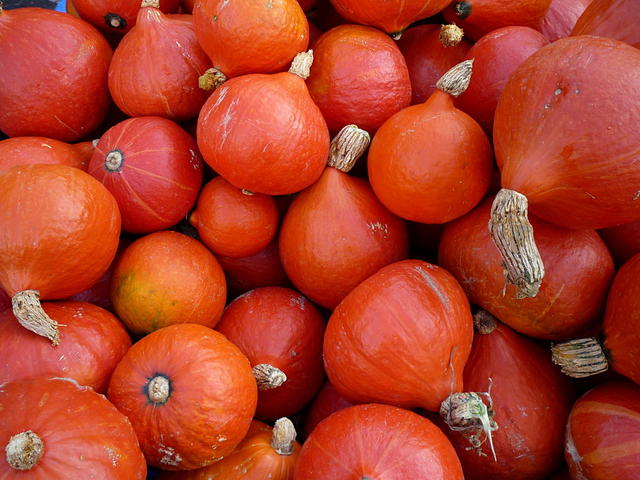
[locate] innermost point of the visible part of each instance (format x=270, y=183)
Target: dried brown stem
x=450, y=35
x=484, y=322
x=301, y=64
x=150, y=3
x=456, y=80
x=211, y=79
x=283, y=436
x=29, y=312
x=580, y=358
x=159, y=390
x=268, y=376
x=24, y=450
x=347, y=147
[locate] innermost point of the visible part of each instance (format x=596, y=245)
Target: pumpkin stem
x=466, y=412
x=396, y=35
x=29, y=312
x=113, y=161
x=513, y=235
x=24, y=450
x=211, y=79
x=246, y=192
x=283, y=436
x=450, y=35
x=301, y=64
x=580, y=358
x=150, y=3
x=268, y=376
x=462, y=9
x=158, y=390
x=115, y=21
x=347, y=147
x=484, y=322
x=456, y=80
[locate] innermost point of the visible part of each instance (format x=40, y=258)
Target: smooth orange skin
x=358, y=76
x=531, y=400
x=30, y=150
x=245, y=36
x=574, y=155
x=84, y=435
x=390, y=16
x=368, y=355
x=54, y=76
x=92, y=342
x=377, y=441
x=612, y=19
x=280, y=327
x=427, y=59
x=561, y=18
x=603, y=433
x=326, y=402
x=166, y=278
x=335, y=235
x=212, y=396
x=623, y=241
x=95, y=11
x=160, y=176
x=59, y=230
x=232, y=223
x=430, y=163
x=578, y=272
x=488, y=15
x=263, y=133
x=156, y=66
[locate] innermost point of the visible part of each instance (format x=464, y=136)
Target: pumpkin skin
x=358, y=76
x=92, y=342
x=279, y=327
x=29, y=150
x=603, y=433
x=610, y=18
x=553, y=129
x=5, y=301
x=377, y=441
x=165, y=278
x=365, y=334
x=211, y=396
x=245, y=36
x=623, y=241
x=283, y=152
x=61, y=237
x=579, y=271
x=116, y=17
x=67, y=48
x=428, y=59
x=156, y=66
x=561, y=17
x=496, y=56
x=84, y=435
x=232, y=223
x=326, y=402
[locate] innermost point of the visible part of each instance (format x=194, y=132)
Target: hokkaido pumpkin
x=561, y=17
x=377, y=441
x=28, y=150
x=55, y=428
x=281, y=333
x=189, y=393
x=59, y=230
x=152, y=168
x=326, y=402
x=116, y=17
x=368, y=329
x=92, y=342
x=165, y=278
x=612, y=19
x=623, y=241
x=54, y=76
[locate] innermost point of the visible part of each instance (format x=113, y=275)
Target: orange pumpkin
x=28, y=150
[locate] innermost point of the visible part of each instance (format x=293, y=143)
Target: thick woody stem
x=24, y=450
x=513, y=235
x=211, y=79
x=484, y=322
x=456, y=80
x=347, y=147
x=283, y=436
x=268, y=376
x=450, y=35
x=29, y=312
x=301, y=64
x=158, y=390
x=150, y=3
x=580, y=358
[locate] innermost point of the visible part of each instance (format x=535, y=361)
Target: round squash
x=326, y=402
x=28, y=150
x=561, y=18
x=116, y=17
x=612, y=19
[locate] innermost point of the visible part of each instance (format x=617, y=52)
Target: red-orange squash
x=367, y=332
x=603, y=433
x=116, y=17
x=561, y=18
x=153, y=169
x=278, y=327
x=55, y=428
x=54, y=75
x=623, y=241
x=92, y=342
x=612, y=19
x=28, y=150
x=189, y=393
x=166, y=278
x=377, y=441
x=326, y=402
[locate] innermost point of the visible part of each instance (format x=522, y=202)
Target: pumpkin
x=561, y=18
x=156, y=67
x=572, y=297
x=5, y=301
x=432, y=163
x=496, y=56
x=358, y=76
x=245, y=36
x=165, y=278
x=526, y=391
x=610, y=18
x=377, y=441
x=189, y=393
x=28, y=150
x=368, y=329
x=153, y=169
x=59, y=429
x=263, y=453
x=307, y=4
x=116, y=17
x=281, y=333
x=54, y=76
x=428, y=58
x=234, y=223
x=603, y=433
x=623, y=241
x=59, y=230
x=256, y=147
x=326, y=402
x=92, y=342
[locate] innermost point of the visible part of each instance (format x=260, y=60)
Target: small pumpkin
x=28, y=150
x=326, y=402
x=623, y=241
x=116, y=17
x=610, y=18
x=561, y=18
